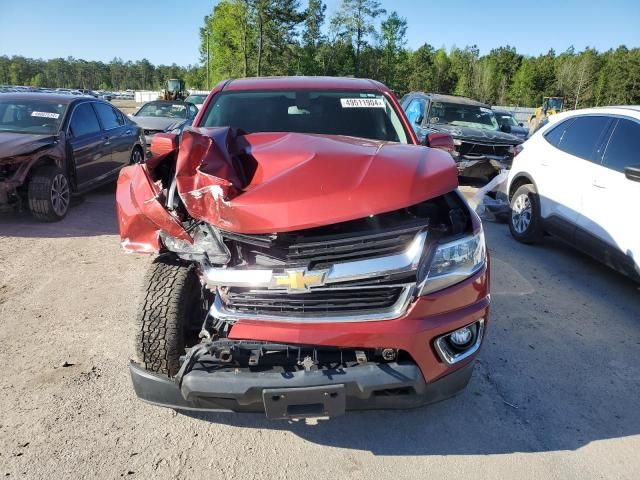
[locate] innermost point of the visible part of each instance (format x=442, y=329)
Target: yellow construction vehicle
x=550, y=106
x=174, y=90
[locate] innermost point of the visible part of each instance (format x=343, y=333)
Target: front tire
x=169, y=314
x=525, y=223
x=136, y=156
x=49, y=193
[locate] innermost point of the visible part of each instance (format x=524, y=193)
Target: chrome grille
x=319, y=302
x=321, y=253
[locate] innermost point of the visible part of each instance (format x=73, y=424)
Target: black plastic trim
x=368, y=386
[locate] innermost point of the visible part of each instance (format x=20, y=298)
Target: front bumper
x=481, y=166
x=313, y=393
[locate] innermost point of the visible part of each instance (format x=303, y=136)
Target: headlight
x=454, y=262
x=457, y=142
x=205, y=241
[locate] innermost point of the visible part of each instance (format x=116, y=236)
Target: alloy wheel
x=521, y=213
x=60, y=194
x=136, y=156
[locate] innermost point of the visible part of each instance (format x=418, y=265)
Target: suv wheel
x=525, y=223
x=49, y=193
x=170, y=315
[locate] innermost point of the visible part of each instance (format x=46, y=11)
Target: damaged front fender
x=141, y=215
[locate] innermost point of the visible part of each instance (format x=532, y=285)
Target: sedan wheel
x=49, y=193
x=136, y=156
x=60, y=194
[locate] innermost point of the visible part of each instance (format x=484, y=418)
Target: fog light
x=389, y=354
x=460, y=344
x=462, y=337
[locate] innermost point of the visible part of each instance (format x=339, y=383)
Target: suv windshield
x=356, y=114
x=506, y=119
x=31, y=116
x=462, y=115
x=172, y=110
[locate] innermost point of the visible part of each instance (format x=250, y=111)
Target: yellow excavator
x=550, y=106
x=174, y=90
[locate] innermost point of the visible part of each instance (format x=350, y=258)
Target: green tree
x=312, y=37
x=354, y=22
x=393, y=39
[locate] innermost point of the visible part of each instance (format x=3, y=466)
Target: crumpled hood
x=158, y=123
x=293, y=181
x=19, y=144
x=477, y=134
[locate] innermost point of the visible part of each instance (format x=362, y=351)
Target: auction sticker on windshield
x=45, y=114
x=362, y=103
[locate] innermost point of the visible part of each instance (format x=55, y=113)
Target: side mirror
x=442, y=141
x=419, y=119
x=521, y=124
x=632, y=172
x=162, y=143
x=506, y=128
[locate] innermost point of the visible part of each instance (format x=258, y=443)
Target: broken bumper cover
x=482, y=165
x=300, y=394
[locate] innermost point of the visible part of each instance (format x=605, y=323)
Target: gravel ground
x=554, y=395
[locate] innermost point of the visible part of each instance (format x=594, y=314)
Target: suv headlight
x=455, y=261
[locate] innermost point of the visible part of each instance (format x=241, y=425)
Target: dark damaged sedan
x=481, y=148
x=54, y=146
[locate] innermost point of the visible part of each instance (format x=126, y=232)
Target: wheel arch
x=42, y=161
x=522, y=178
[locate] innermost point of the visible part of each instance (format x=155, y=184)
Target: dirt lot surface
x=555, y=393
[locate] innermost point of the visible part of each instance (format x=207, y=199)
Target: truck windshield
x=31, y=116
x=356, y=114
x=462, y=115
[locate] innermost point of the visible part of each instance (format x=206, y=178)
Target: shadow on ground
x=91, y=214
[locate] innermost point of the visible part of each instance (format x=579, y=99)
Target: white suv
x=578, y=178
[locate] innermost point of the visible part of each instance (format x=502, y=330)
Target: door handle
x=127, y=132
x=107, y=141
x=598, y=185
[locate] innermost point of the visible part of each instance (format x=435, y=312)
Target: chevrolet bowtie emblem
x=299, y=280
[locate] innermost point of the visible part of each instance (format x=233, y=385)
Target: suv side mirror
x=506, y=128
x=419, y=119
x=442, y=141
x=632, y=172
x=521, y=124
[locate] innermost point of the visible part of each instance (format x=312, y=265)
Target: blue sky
x=167, y=31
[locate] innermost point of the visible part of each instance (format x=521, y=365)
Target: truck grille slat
x=267, y=302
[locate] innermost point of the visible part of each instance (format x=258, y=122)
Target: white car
x=578, y=178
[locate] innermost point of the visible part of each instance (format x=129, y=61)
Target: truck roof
x=305, y=83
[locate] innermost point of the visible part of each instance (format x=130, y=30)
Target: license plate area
x=322, y=401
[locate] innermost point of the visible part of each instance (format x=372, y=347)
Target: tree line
x=278, y=37
x=77, y=73
x=242, y=38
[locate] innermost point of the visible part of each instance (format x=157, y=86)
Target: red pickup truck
x=311, y=256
